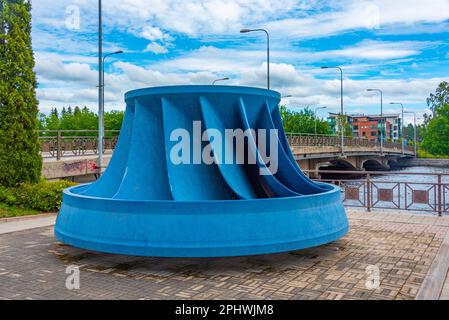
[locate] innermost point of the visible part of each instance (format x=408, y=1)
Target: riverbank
x=422, y=162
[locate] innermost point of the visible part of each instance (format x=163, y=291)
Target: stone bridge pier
x=324, y=153
x=349, y=163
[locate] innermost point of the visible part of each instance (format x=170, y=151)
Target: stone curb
x=434, y=281
x=30, y=217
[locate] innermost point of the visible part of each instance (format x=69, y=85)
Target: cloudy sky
x=399, y=46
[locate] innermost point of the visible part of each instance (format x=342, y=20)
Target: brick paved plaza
x=402, y=246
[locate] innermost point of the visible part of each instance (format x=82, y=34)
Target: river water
x=402, y=175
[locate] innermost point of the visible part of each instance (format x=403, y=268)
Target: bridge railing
x=69, y=143
x=410, y=191
x=312, y=140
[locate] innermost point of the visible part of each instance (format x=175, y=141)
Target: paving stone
x=33, y=265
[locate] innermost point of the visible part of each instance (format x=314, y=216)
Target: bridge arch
x=321, y=164
x=343, y=164
x=374, y=165
x=393, y=163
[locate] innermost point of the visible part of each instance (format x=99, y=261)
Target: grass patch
x=7, y=211
x=428, y=155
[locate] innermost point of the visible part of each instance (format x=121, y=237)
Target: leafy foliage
x=436, y=137
x=348, y=128
x=425, y=154
x=20, y=160
x=303, y=122
x=440, y=98
x=79, y=119
x=41, y=196
x=409, y=133
x=7, y=211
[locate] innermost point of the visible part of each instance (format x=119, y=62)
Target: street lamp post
x=402, y=123
x=101, y=60
x=268, y=51
x=100, y=88
x=221, y=79
x=341, y=107
x=381, y=119
x=316, y=118
x=415, y=137
x=101, y=111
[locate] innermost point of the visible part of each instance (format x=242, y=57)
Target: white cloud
x=153, y=34
x=156, y=48
x=354, y=15
x=198, y=17
x=375, y=50
x=55, y=70
x=69, y=76
x=68, y=83
x=159, y=20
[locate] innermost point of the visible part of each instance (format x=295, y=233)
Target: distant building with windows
x=369, y=126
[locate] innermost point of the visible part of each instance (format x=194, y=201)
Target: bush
x=427, y=155
x=43, y=196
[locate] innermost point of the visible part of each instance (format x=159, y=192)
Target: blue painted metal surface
x=144, y=204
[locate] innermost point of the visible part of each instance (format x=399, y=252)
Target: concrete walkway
x=436, y=283
x=408, y=250
x=8, y=225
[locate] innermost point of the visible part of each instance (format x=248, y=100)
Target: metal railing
x=68, y=143
x=428, y=192
x=309, y=140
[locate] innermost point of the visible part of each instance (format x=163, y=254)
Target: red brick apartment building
x=368, y=126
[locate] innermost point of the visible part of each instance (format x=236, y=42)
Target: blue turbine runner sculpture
x=150, y=203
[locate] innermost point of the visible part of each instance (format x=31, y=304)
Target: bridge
x=315, y=152
x=74, y=153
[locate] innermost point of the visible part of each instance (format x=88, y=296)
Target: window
x=373, y=133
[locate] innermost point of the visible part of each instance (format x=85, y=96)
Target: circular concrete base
x=200, y=228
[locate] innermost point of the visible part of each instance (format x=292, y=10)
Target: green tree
x=113, y=121
x=409, y=133
x=54, y=112
x=440, y=98
x=80, y=119
x=20, y=160
x=436, y=136
x=303, y=121
x=41, y=121
x=348, y=128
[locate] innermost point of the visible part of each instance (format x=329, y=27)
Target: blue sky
x=399, y=46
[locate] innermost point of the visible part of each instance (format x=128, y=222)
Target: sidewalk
x=8, y=225
x=408, y=250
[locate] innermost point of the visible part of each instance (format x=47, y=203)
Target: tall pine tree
x=20, y=160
